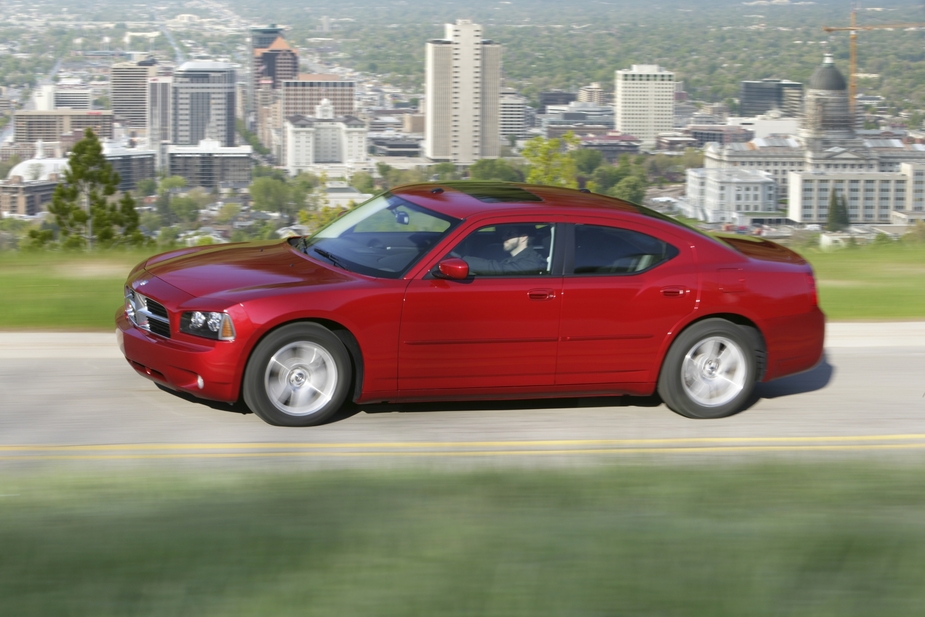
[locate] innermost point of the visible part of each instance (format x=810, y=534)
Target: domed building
x=882, y=179
x=31, y=184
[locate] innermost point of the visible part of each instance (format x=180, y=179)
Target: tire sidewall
x=670, y=383
x=255, y=395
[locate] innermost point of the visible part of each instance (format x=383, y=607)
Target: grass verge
x=55, y=291
x=769, y=539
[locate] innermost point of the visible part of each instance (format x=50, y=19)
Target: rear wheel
x=709, y=371
x=298, y=375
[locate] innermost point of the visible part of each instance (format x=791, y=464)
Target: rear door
x=624, y=291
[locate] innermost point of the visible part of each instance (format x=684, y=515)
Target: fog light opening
x=200, y=382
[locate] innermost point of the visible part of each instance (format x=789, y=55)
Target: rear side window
x=612, y=250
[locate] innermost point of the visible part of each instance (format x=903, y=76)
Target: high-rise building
x=758, y=97
x=555, y=97
x=129, y=91
x=644, y=102
x=301, y=96
x=593, y=93
x=277, y=62
x=261, y=38
x=513, y=109
x=48, y=126
x=158, y=109
x=203, y=103
x=462, y=93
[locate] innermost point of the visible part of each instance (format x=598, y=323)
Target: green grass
x=82, y=292
x=60, y=291
x=875, y=282
x=773, y=539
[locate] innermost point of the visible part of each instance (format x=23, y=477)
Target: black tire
x=299, y=375
x=709, y=371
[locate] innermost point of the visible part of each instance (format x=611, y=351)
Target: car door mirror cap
x=452, y=268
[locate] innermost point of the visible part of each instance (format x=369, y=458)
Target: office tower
x=203, y=103
x=555, y=97
x=32, y=126
x=591, y=94
x=462, y=92
x=275, y=63
x=261, y=38
x=758, y=97
x=644, y=102
x=129, y=91
x=158, y=108
x=513, y=109
x=301, y=96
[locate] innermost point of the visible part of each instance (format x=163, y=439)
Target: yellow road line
x=456, y=444
x=472, y=453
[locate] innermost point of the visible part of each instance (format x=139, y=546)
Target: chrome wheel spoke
x=714, y=371
x=301, y=378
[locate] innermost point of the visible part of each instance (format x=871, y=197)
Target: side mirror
x=452, y=268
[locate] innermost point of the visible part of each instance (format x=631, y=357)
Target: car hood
x=239, y=267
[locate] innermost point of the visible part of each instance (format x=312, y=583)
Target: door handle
x=673, y=291
x=541, y=294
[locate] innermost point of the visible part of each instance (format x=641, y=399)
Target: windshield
x=383, y=237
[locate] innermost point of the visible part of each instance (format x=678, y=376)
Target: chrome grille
x=146, y=313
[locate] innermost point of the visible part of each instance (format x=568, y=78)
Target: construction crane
x=853, y=49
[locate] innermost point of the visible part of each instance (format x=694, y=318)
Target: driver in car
x=523, y=258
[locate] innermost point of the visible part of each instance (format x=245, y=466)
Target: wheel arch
x=341, y=332
x=752, y=330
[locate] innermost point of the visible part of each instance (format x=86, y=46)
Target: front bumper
x=208, y=370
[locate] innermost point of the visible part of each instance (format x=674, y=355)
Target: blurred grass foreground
x=771, y=539
x=77, y=291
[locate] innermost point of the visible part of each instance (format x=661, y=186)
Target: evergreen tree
x=844, y=217
x=830, y=221
x=81, y=204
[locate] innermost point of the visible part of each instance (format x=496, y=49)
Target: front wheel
x=709, y=371
x=298, y=375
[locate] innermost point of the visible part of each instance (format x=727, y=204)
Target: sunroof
x=491, y=192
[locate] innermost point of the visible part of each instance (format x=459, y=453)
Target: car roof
x=463, y=199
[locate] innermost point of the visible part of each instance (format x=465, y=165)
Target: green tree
x=549, y=163
x=587, y=160
x=363, y=182
x=81, y=204
x=146, y=186
x=494, y=169
x=270, y=194
x=444, y=172
x=185, y=209
x=630, y=189
x=172, y=182
x=837, y=218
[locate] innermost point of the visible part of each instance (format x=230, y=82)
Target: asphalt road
x=70, y=399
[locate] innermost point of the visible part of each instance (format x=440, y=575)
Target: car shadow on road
x=814, y=379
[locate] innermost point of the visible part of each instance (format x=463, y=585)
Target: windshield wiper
x=332, y=258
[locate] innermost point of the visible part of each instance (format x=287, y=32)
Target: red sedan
x=469, y=290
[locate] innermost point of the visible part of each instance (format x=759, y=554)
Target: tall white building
x=129, y=91
x=513, y=109
x=462, y=92
x=644, y=102
x=325, y=142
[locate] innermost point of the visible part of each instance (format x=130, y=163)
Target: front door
x=496, y=329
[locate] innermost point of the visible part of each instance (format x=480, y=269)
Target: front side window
x=508, y=250
x=612, y=250
x=383, y=237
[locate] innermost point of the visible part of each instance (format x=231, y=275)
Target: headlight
x=207, y=324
